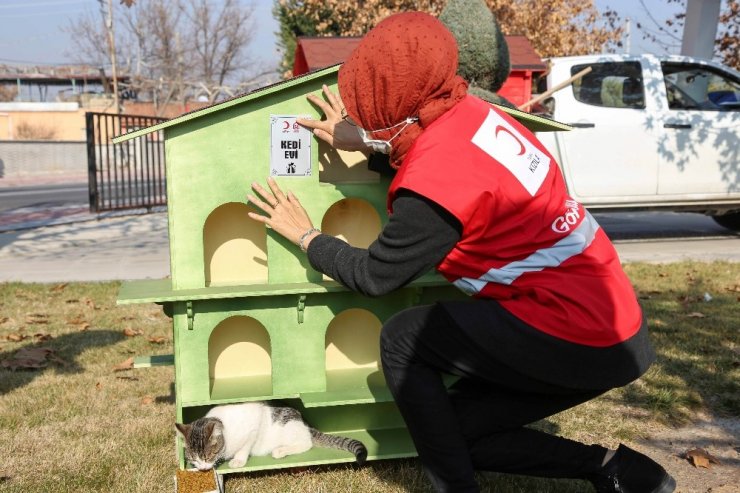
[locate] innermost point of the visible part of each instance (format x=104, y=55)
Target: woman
x=553, y=320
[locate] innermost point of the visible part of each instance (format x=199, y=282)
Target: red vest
x=524, y=241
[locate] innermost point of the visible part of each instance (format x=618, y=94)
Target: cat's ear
x=214, y=429
x=182, y=430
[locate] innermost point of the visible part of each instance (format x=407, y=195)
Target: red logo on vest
x=521, y=146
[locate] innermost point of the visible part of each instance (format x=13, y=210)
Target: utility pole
x=112, y=48
x=628, y=36
x=700, y=28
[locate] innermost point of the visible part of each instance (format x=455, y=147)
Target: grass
x=78, y=425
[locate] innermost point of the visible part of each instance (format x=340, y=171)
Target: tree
x=8, y=93
x=175, y=50
x=727, y=46
x=555, y=27
x=336, y=18
x=483, y=52
x=560, y=27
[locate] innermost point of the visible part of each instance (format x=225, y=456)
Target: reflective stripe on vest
x=574, y=244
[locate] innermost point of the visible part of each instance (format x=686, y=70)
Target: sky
x=31, y=30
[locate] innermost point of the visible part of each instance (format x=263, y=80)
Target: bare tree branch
x=175, y=50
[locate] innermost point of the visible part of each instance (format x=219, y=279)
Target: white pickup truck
x=650, y=133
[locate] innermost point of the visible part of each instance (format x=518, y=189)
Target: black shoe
x=629, y=471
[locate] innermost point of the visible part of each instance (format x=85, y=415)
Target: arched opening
x=352, y=340
x=353, y=369
x=337, y=166
x=353, y=220
x=239, y=359
x=234, y=247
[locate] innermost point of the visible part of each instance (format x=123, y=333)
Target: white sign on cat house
x=290, y=151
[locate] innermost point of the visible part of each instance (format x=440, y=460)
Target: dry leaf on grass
x=98, y=386
x=28, y=358
x=21, y=295
x=81, y=323
x=3, y=320
x=701, y=458
x=157, y=340
x=37, y=318
x=15, y=337
x=147, y=399
x=695, y=315
x=129, y=332
x=126, y=365
x=59, y=287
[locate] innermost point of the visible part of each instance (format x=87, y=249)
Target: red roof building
x=313, y=53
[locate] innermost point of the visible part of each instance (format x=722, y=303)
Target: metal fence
x=130, y=175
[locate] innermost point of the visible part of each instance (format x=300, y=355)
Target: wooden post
x=547, y=93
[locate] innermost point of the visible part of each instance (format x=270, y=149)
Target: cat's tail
x=321, y=439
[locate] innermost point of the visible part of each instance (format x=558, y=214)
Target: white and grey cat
x=235, y=431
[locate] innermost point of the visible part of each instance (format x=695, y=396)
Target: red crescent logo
x=286, y=125
x=500, y=128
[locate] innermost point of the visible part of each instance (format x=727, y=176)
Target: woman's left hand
x=285, y=214
x=334, y=129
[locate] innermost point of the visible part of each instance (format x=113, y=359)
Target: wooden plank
x=392, y=443
x=154, y=360
x=160, y=290
x=351, y=386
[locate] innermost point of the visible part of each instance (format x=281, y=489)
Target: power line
x=8, y=60
x=40, y=14
x=44, y=4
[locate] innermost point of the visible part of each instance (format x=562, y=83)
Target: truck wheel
x=729, y=221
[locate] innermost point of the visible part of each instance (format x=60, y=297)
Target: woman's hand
x=285, y=214
x=335, y=130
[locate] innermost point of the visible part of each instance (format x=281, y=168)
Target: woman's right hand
x=334, y=129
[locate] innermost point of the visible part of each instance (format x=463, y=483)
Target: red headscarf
x=404, y=67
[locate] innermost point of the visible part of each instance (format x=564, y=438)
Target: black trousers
x=479, y=424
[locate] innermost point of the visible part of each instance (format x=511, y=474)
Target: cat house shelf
x=394, y=443
x=160, y=290
x=350, y=386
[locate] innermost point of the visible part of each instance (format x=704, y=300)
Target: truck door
x=701, y=118
x=611, y=154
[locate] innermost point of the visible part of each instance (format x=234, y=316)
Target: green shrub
x=484, y=55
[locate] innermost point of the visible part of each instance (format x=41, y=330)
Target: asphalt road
x=67, y=243
x=619, y=226
x=43, y=196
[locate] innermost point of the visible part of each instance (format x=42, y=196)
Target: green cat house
x=251, y=319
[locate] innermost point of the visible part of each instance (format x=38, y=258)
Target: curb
x=41, y=180
x=37, y=217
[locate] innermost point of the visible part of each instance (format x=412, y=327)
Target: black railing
x=129, y=175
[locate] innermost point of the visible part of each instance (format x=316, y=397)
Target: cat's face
x=204, y=442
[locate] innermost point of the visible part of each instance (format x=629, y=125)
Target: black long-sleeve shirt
x=418, y=235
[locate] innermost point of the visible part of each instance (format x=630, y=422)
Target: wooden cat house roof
x=533, y=122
